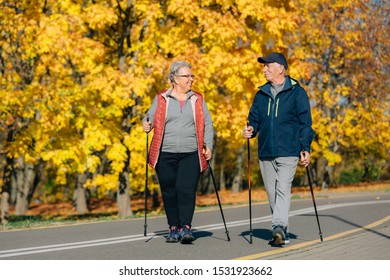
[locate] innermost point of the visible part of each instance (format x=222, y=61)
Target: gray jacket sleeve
x=209, y=129
x=152, y=110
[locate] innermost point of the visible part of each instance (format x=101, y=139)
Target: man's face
x=272, y=71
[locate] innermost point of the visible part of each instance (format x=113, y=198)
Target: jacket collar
x=168, y=93
x=288, y=84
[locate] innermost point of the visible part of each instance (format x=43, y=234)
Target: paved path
x=355, y=227
x=371, y=242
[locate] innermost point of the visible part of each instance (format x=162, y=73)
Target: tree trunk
x=331, y=169
x=80, y=198
x=4, y=211
x=207, y=185
x=322, y=173
x=369, y=169
x=155, y=199
x=203, y=184
x=13, y=189
x=25, y=175
x=38, y=181
x=237, y=181
x=20, y=195
x=222, y=180
x=5, y=191
x=331, y=175
x=123, y=196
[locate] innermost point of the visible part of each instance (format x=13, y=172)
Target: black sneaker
x=186, y=236
x=279, y=236
x=173, y=236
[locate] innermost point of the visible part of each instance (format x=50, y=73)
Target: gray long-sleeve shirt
x=179, y=132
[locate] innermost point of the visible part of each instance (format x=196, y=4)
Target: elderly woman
x=181, y=145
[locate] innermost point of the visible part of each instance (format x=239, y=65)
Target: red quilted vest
x=159, y=125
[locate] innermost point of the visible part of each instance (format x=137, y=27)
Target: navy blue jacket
x=283, y=123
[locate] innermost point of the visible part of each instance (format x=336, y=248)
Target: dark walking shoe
x=173, y=236
x=186, y=236
x=279, y=236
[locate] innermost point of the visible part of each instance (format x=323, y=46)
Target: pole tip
x=145, y=231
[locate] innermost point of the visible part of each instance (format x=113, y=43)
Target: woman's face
x=184, y=79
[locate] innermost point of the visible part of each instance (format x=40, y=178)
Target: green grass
x=39, y=221
x=28, y=222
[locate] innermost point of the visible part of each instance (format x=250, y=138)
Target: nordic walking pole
x=219, y=201
x=146, y=179
x=314, y=202
x=249, y=188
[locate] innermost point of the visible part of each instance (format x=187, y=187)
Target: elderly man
x=280, y=113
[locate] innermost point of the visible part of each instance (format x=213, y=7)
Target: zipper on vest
x=277, y=107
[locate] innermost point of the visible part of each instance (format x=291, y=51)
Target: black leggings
x=178, y=175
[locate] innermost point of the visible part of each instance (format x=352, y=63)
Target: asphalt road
x=339, y=214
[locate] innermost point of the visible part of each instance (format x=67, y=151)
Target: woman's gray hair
x=175, y=67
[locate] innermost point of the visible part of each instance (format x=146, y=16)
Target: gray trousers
x=278, y=174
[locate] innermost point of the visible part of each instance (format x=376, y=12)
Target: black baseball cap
x=274, y=57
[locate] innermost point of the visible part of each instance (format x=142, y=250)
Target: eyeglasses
x=186, y=76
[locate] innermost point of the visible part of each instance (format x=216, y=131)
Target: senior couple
x=183, y=141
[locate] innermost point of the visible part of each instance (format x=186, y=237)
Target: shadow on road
x=197, y=234
x=350, y=223
x=264, y=234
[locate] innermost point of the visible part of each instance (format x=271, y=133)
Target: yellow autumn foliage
x=78, y=76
